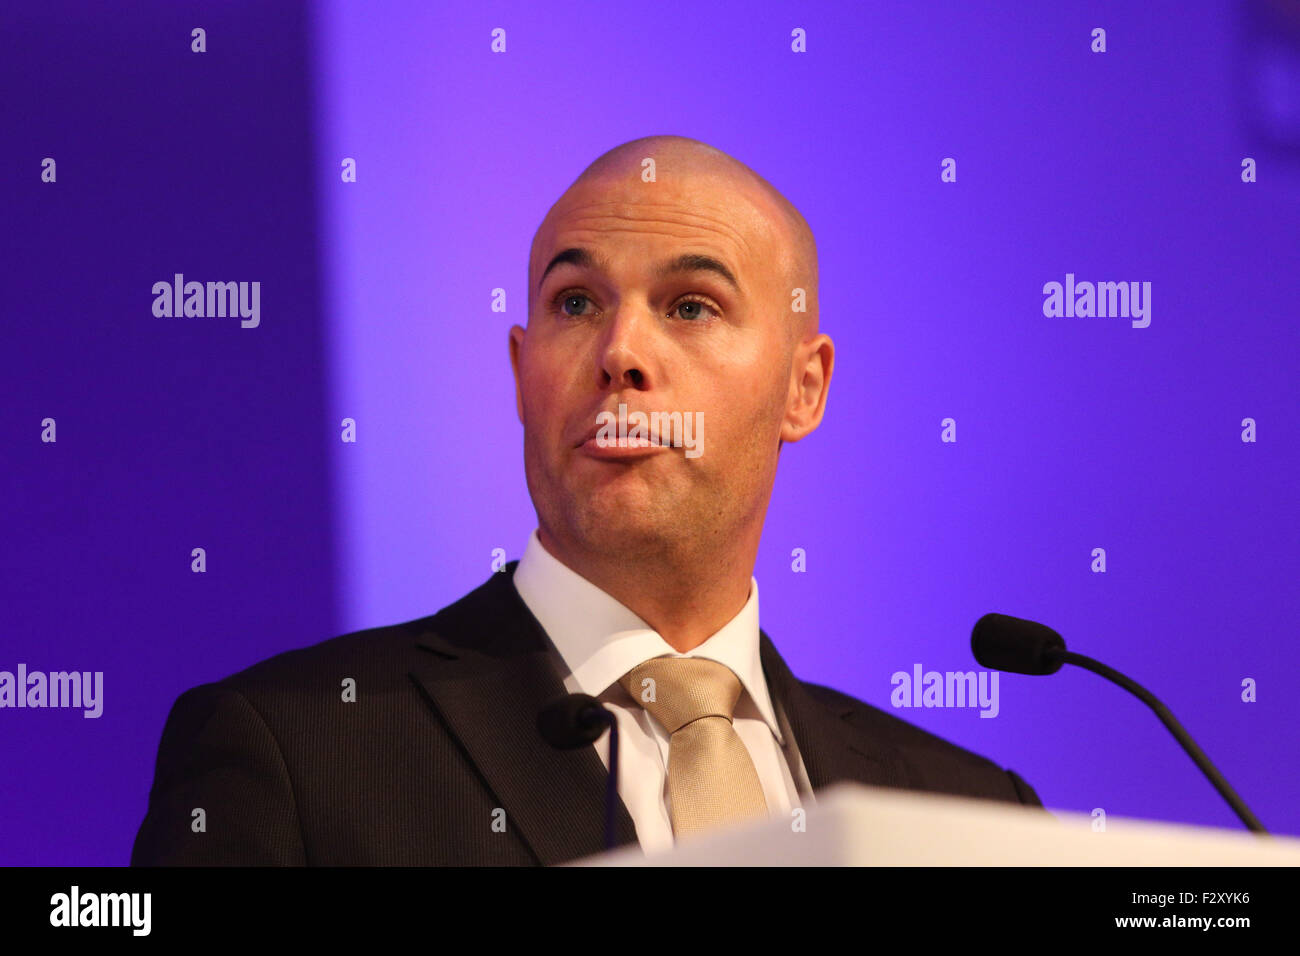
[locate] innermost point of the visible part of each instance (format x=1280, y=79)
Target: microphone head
x=1006, y=643
x=572, y=721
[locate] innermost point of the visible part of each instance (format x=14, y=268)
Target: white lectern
x=853, y=825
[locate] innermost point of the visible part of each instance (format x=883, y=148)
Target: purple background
x=1073, y=433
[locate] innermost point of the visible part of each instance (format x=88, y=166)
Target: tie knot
x=684, y=689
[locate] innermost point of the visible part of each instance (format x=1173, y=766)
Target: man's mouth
x=613, y=439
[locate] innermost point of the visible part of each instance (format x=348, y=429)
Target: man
x=675, y=282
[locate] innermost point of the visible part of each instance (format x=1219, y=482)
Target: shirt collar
x=600, y=639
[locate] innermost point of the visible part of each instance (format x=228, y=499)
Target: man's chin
x=626, y=518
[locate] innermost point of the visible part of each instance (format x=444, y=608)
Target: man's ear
x=516, y=343
x=810, y=379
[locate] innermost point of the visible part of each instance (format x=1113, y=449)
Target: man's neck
x=686, y=600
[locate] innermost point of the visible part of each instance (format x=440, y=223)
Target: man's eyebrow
x=694, y=262
x=687, y=262
x=578, y=257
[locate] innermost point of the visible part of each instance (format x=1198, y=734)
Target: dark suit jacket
x=443, y=732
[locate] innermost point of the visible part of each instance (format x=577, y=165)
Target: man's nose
x=625, y=348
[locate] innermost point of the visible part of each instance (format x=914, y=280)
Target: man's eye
x=571, y=304
x=566, y=298
x=696, y=304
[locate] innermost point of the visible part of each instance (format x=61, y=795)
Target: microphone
x=1006, y=643
x=574, y=721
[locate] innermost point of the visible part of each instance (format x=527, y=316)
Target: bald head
x=767, y=216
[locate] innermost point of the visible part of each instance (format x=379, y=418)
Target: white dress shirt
x=597, y=640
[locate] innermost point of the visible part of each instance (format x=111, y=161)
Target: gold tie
x=711, y=777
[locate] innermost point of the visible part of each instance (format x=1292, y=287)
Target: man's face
x=612, y=328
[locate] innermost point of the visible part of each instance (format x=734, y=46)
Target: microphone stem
x=1167, y=718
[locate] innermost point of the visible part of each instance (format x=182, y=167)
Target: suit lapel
x=488, y=673
x=832, y=749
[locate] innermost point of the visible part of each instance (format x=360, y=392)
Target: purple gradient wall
x=1072, y=433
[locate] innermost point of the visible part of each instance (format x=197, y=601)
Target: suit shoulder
x=931, y=762
x=370, y=652
x=891, y=728
x=380, y=656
